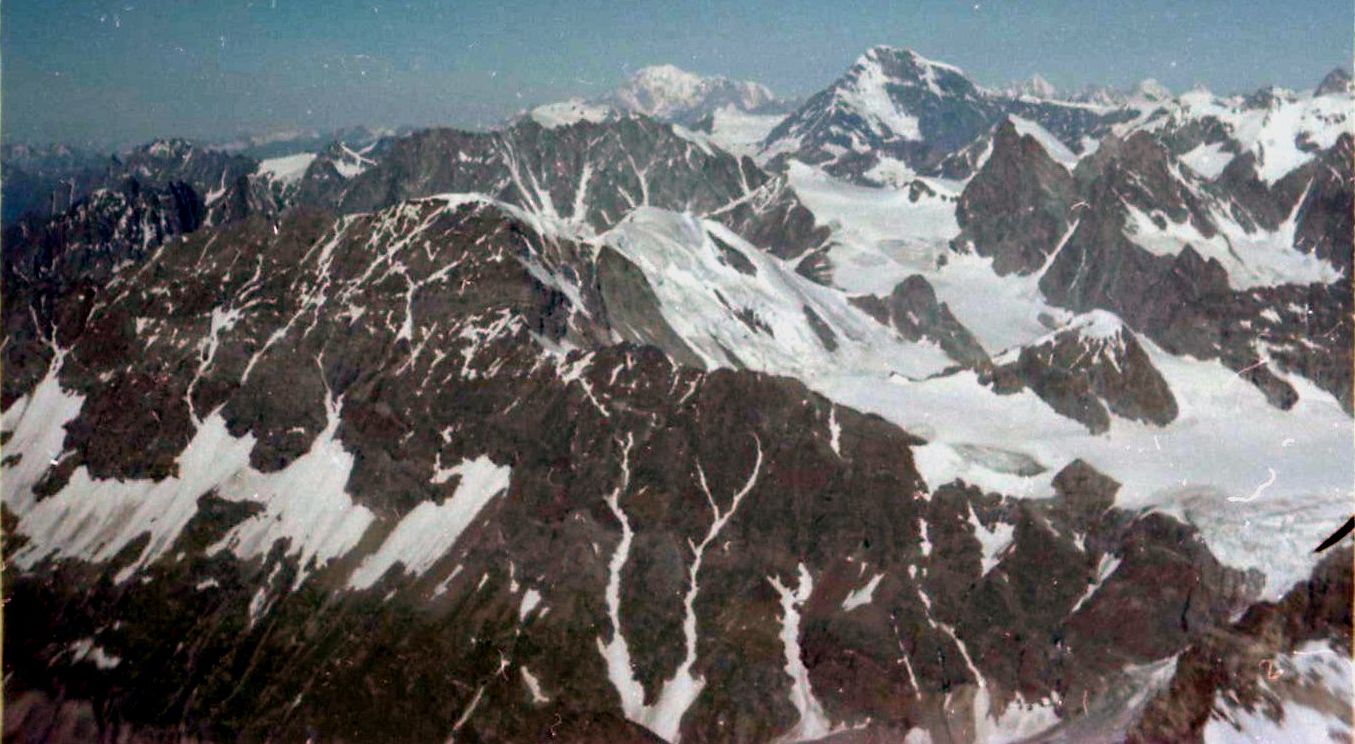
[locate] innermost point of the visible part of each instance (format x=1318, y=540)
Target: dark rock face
x=543, y=169
x=1244, y=663
x=1141, y=172
x=119, y=212
x=913, y=309
x=633, y=310
x=1328, y=201
x=595, y=173
x=42, y=184
x=772, y=218
x=1089, y=371
x=47, y=261
x=1016, y=207
x=1336, y=81
x=326, y=177
x=106, y=229
x=1021, y=209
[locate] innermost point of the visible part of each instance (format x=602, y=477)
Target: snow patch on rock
x=428, y=531
x=288, y=169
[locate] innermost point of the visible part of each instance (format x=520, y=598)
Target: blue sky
x=117, y=72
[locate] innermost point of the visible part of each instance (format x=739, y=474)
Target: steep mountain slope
x=736, y=306
x=1257, y=302
x=1284, y=674
x=1192, y=276
x=1212, y=269
x=594, y=173
x=1016, y=207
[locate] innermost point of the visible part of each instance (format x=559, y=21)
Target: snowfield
x=761, y=320
x=288, y=169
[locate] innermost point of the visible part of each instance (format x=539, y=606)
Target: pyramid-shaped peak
x=1036, y=86
x=1337, y=81
x=885, y=65
x=885, y=53
x=1012, y=129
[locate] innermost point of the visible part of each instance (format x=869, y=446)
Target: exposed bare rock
x=1016, y=208
x=915, y=312
x=1263, y=664
x=1090, y=369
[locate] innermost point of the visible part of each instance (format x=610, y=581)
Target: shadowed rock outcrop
x=1016, y=208
x=1092, y=368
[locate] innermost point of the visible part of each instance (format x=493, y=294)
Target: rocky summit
x=915, y=411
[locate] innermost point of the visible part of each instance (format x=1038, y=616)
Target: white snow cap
x=1097, y=324
x=288, y=169
x=875, y=53
x=667, y=90
x=1035, y=87
x=1151, y=90
x=665, y=83
x=1052, y=145
x=572, y=111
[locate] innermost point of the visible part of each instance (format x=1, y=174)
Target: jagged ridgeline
x=915, y=410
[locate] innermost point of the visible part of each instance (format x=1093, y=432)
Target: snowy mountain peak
x=666, y=74
x=571, y=111
x=897, y=112
x=1035, y=87
x=884, y=52
x=733, y=114
x=1096, y=325
x=1150, y=89
x=170, y=148
x=1091, y=369
x=669, y=92
x=659, y=87
x=887, y=87
x=1041, y=88
x=886, y=64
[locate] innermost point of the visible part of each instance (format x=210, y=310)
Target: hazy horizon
x=109, y=74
